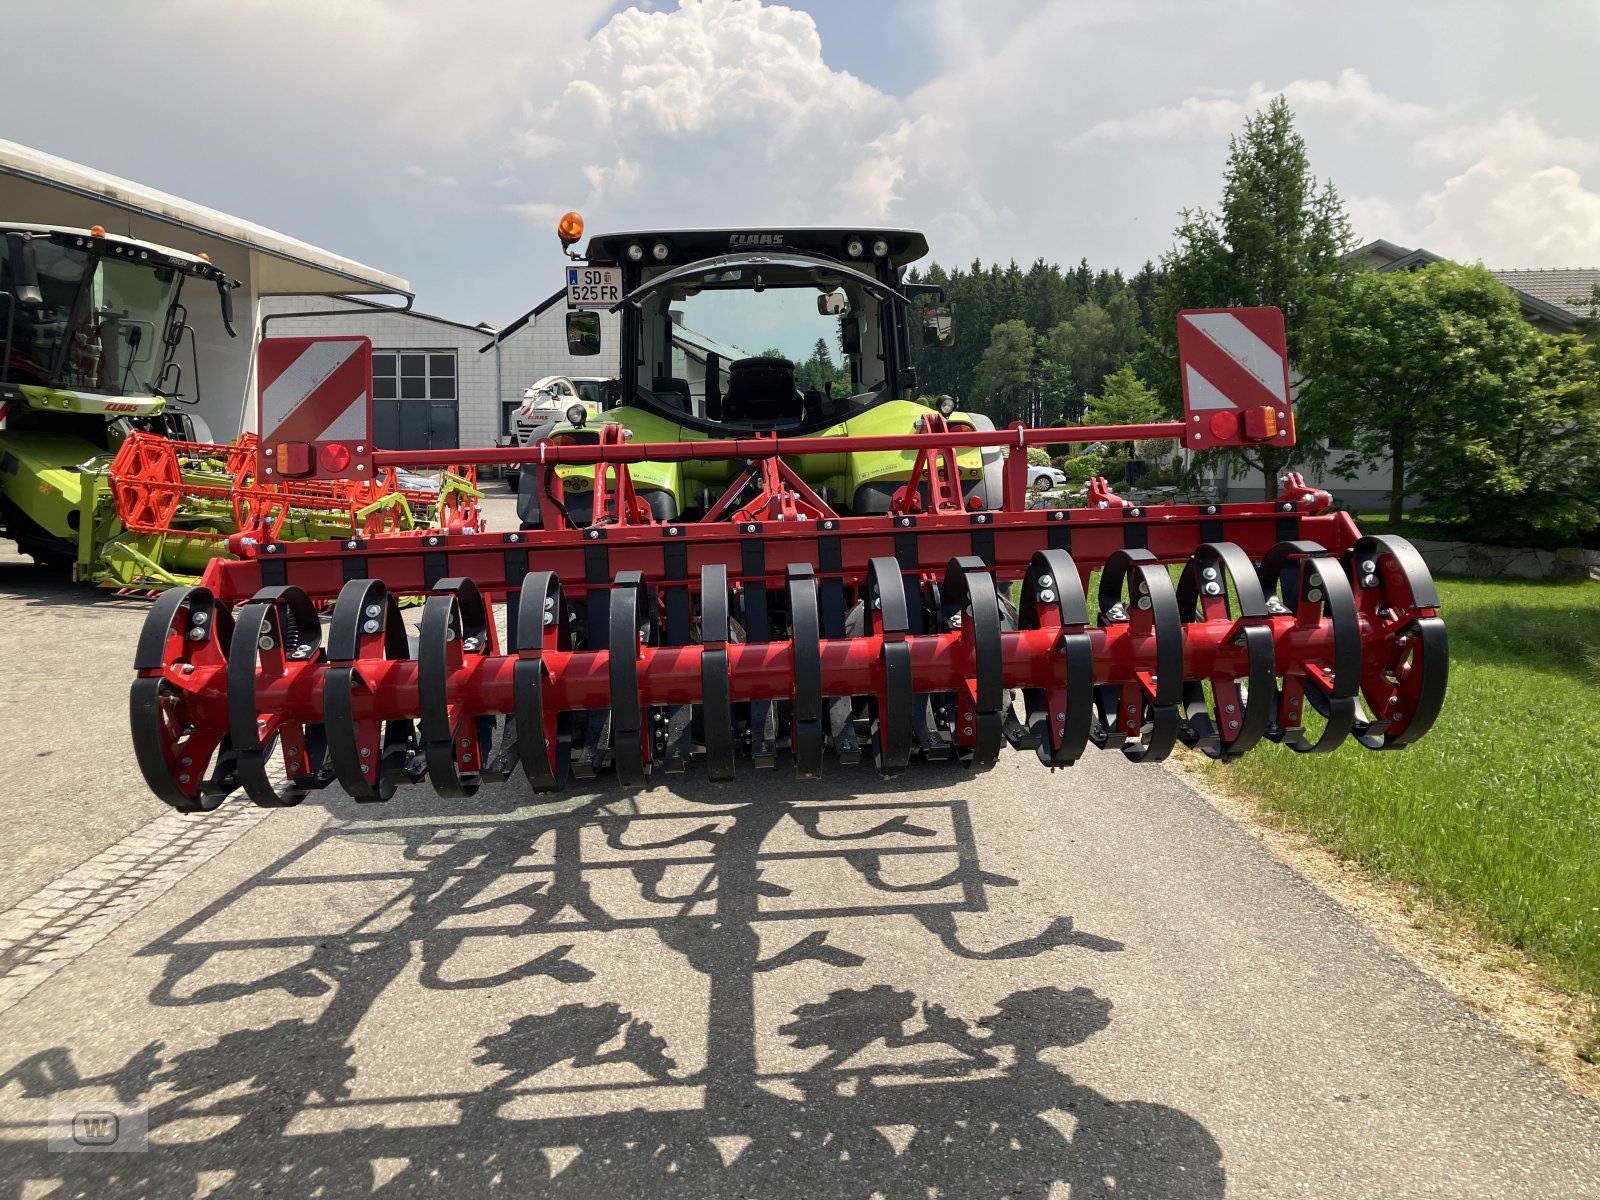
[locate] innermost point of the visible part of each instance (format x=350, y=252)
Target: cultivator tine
x=544, y=737
x=842, y=730
x=763, y=733
x=805, y=636
x=596, y=753
x=276, y=637
x=1313, y=587
x=174, y=738
x=1061, y=716
x=1141, y=716
x=455, y=743
x=716, y=706
x=1236, y=717
x=922, y=607
x=969, y=593
x=885, y=614
x=632, y=624
x=1405, y=689
x=370, y=757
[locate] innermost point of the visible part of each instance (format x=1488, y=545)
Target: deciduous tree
x=1278, y=238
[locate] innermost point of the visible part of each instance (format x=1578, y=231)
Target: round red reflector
x=1225, y=425
x=335, y=457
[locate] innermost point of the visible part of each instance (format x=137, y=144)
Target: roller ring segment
x=1406, y=666
x=1059, y=717
x=981, y=707
x=1314, y=588
x=805, y=640
x=455, y=745
x=1234, y=721
x=632, y=624
x=1152, y=608
x=370, y=758
x=716, y=703
x=173, y=742
x=276, y=635
x=544, y=736
x=886, y=617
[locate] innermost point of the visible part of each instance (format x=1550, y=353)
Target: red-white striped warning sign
x=1234, y=363
x=314, y=410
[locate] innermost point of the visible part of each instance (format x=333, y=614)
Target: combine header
x=732, y=568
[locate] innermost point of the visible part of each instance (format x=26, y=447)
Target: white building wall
x=532, y=351
x=403, y=332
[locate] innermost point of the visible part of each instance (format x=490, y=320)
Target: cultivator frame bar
x=640, y=644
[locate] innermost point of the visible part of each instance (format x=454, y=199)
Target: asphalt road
x=1086, y=983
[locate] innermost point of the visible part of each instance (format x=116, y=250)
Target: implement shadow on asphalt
x=862, y=1088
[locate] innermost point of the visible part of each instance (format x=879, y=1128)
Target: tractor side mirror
x=938, y=324
x=833, y=304
x=225, y=294
x=24, y=265
x=850, y=336
x=583, y=331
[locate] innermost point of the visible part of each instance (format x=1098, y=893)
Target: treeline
x=1034, y=345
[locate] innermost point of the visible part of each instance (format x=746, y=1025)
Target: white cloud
x=417, y=171
x=1518, y=199
x=717, y=110
x=1215, y=114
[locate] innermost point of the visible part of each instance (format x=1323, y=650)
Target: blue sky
x=440, y=142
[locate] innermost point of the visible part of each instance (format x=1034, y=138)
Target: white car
x=1044, y=479
x=548, y=400
x=550, y=397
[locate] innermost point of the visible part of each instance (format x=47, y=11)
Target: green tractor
x=714, y=326
x=91, y=325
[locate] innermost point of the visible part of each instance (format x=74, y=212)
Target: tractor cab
x=729, y=331
x=744, y=332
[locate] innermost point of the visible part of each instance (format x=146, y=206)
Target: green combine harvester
x=91, y=329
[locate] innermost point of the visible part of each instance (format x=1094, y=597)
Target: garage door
x=414, y=400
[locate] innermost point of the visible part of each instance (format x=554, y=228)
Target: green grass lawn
x=1496, y=813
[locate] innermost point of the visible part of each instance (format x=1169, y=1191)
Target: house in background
x=1554, y=301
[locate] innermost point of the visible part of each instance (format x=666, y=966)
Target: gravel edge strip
x=72, y=913
x=1498, y=983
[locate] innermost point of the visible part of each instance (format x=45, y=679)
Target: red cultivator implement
x=772, y=625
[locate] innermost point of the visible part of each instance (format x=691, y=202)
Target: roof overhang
x=33, y=184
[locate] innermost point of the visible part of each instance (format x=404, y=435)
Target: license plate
x=594, y=287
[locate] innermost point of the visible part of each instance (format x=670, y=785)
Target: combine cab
x=100, y=469
x=731, y=568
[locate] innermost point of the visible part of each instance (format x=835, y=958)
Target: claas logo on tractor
x=735, y=571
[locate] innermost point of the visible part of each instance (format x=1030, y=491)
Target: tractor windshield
x=781, y=339
x=776, y=323
x=98, y=327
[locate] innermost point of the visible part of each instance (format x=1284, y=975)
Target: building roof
x=32, y=183
x=1558, y=296
x=532, y=314
x=1571, y=288
x=692, y=341
x=376, y=309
